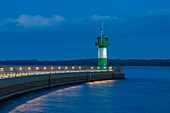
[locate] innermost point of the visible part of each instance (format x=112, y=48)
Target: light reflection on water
x=100, y=82
x=37, y=104
x=145, y=90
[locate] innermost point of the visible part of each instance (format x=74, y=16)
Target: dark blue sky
x=67, y=29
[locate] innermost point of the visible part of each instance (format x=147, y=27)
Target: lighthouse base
x=102, y=63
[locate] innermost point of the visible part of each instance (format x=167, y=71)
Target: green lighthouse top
x=102, y=41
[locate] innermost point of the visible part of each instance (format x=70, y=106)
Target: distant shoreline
x=91, y=62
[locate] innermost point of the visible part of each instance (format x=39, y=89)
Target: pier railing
x=17, y=71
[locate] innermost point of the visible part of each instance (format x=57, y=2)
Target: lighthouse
x=102, y=44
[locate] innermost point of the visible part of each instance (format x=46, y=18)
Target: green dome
x=103, y=36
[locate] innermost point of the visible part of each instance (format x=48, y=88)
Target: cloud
x=97, y=17
x=146, y=24
x=38, y=21
x=30, y=21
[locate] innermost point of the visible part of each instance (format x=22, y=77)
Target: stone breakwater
x=11, y=87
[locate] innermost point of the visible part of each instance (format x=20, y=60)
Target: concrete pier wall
x=11, y=87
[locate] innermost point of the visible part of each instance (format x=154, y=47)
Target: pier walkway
x=18, y=71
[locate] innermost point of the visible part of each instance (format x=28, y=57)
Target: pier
x=20, y=80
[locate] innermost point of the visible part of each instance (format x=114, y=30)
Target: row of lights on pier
x=52, y=68
x=37, y=68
